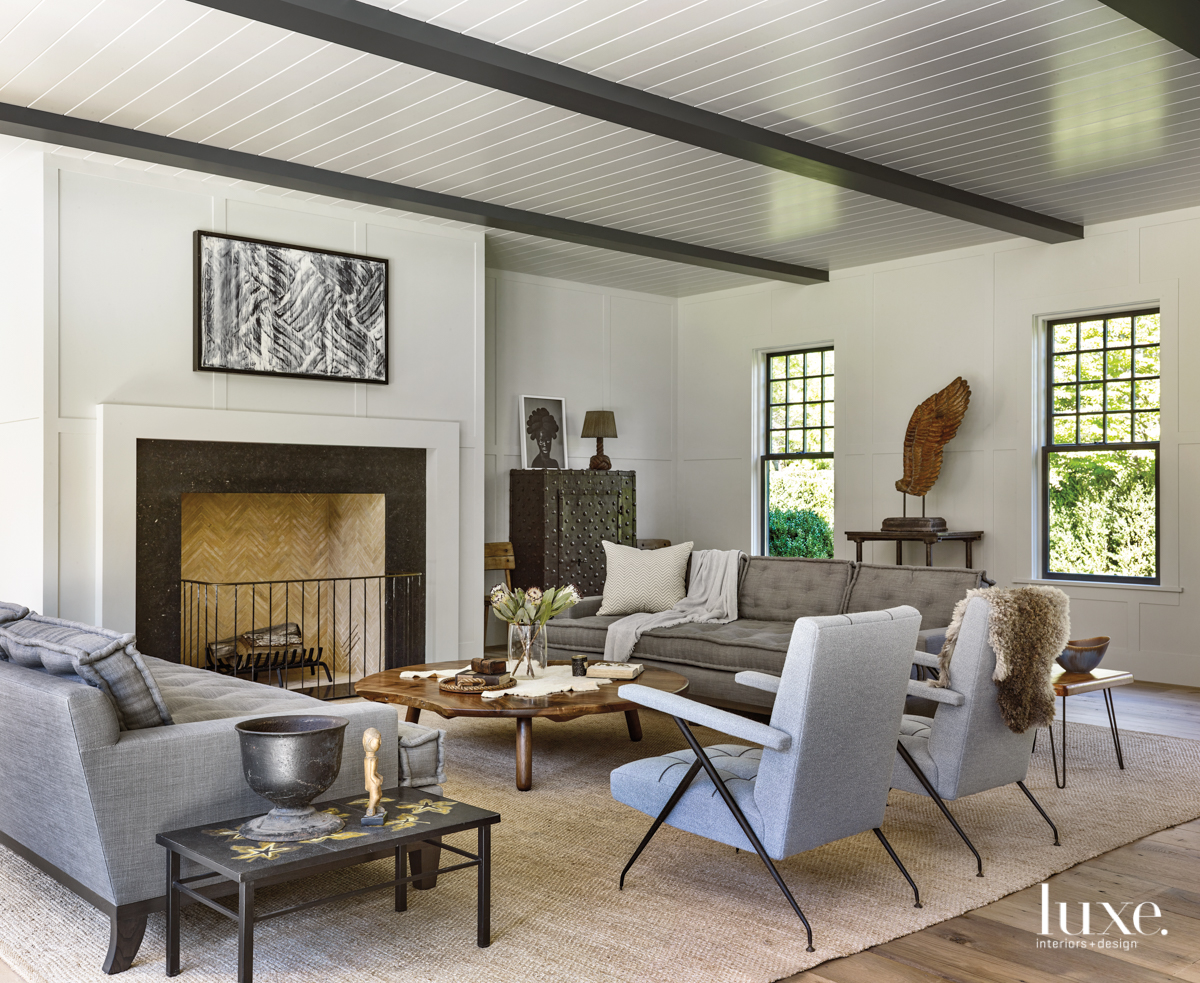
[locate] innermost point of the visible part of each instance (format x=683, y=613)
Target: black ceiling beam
x=35, y=124
x=1176, y=20
x=374, y=30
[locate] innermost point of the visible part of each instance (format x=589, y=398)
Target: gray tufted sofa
x=773, y=593
x=83, y=799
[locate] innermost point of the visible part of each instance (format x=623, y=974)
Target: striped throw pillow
x=101, y=658
x=10, y=612
x=643, y=580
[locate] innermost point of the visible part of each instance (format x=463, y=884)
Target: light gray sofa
x=83, y=800
x=772, y=594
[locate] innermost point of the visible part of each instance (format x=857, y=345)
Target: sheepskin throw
x=1028, y=629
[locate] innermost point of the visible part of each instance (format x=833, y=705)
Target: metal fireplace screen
x=319, y=635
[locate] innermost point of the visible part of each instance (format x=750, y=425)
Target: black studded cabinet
x=557, y=519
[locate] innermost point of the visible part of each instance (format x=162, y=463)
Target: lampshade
x=599, y=423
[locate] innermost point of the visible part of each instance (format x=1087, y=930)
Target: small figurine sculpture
x=375, y=814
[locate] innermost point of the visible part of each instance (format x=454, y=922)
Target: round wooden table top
x=423, y=694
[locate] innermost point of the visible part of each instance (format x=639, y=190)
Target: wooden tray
x=450, y=686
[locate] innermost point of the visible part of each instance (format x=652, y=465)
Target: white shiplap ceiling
x=1061, y=106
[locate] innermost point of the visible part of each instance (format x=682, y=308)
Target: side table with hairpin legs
x=1072, y=684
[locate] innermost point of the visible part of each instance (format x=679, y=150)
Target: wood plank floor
x=998, y=943
x=1153, y=708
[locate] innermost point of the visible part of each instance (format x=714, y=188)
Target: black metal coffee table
x=413, y=817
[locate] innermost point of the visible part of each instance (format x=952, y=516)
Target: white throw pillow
x=643, y=580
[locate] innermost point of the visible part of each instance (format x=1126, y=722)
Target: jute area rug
x=692, y=910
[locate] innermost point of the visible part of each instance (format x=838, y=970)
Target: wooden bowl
x=1084, y=654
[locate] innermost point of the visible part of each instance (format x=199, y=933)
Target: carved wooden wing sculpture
x=933, y=425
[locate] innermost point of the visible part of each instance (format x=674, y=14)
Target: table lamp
x=599, y=424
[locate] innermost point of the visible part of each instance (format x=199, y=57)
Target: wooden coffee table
x=423, y=694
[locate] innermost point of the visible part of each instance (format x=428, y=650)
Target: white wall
x=96, y=263
x=26, y=295
x=120, y=247
x=600, y=350
x=904, y=330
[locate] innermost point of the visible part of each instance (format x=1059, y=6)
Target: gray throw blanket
x=711, y=598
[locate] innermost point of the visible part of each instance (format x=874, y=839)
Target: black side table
x=413, y=817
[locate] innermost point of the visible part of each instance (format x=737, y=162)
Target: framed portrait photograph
x=268, y=308
x=543, y=421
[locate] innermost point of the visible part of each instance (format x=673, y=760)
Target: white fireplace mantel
x=118, y=428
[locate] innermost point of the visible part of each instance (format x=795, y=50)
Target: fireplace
x=297, y=564
x=138, y=559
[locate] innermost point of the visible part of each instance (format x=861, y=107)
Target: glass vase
x=527, y=647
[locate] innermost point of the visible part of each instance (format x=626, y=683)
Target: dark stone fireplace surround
x=169, y=469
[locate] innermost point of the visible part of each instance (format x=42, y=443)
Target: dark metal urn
x=290, y=761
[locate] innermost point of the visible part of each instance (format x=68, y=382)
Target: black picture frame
x=378, y=354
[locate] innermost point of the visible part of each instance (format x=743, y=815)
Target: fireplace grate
x=319, y=635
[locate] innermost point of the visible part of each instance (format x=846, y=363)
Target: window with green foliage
x=797, y=475
x=1100, y=460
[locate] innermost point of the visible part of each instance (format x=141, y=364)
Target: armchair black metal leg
x=666, y=811
x=1054, y=750
x=925, y=783
x=1112, y=723
x=1038, y=806
x=740, y=816
x=896, y=860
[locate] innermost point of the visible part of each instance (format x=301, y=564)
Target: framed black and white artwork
x=272, y=309
x=543, y=422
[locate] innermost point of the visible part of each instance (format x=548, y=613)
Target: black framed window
x=1100, y=455
x=797, y=459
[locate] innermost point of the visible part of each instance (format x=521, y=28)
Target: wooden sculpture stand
x=900, y=538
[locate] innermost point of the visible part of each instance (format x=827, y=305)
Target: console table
x=900, y=538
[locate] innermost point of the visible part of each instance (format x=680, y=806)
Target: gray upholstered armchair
x=825, y=763
x=965, y=747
